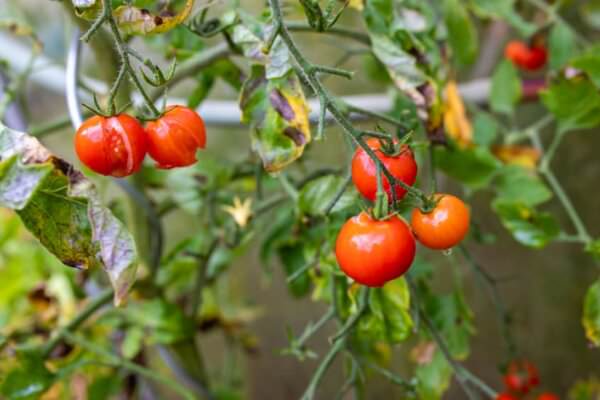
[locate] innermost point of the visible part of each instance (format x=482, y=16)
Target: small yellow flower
x=241, y=212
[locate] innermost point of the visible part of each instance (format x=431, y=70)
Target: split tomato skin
x=374, y=252
x=175, y=137
x=114, y=146
x=525, y=57
x=364, y=170
x=445, y=226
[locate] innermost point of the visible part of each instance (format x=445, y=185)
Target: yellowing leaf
x=457, y=124
x=524, y=156
x=356, y=4
x=277, y=112
x=135, y=20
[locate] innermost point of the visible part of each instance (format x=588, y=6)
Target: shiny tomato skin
x=114, y=146
x=445, y=226
x=548, y=396
x=505, y=396
x=374, y=252
x=521, y=376
x=525, y=57
x=364, y=170
x=175, y=137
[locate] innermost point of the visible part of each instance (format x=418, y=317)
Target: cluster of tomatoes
x=374, y=251
x=528, y=57
x=117, y=145
x=522, y=377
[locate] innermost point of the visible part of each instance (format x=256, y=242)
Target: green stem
x=338, y=346
x=353, y=320
x=117, y=361
x=101, y=300
x=203, y=261
x=348, y=33
x=312, y=329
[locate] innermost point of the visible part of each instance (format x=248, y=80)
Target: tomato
x=548, y=396
x=523, y=56
x=521, y=376
x=445, y=226
x=364, y=170
x=373, y=252
x=175, y=137
x=505, y=396
x=113, y=146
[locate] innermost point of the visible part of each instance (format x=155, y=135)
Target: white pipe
x=50, y=75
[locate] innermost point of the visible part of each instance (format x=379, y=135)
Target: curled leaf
x=134, y=20
x=457, y=124
x=61, y=208
x=591, y=314
x=524, y=156
x=277, y=112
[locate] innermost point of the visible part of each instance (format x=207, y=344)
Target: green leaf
x=105, y=387
x=485, y=129
x=506, y=88
x=590, y=12
x=317, y=194
x=462, y=35
x=516, y=184
x=504, y=9
x=527, y=225
x=277, y=113
x=401, y=65
x=593, y=248
x=590, y=64
x=379, y=15
x=390, y=312
x=29, y=381
x=61, y=208
x=433, y=378
x=474, y=167
x=162, y=322
x=562, y=45
x=293, y=258
x=591, y=314
x=575, y=103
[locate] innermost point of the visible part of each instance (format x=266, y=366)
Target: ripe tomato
x=113, y=146
x=445, y=226
x=521, y=376
x=364, y=170
x=174, y=138
x=505, y=396
x=528, y=58
x=548, y=396
x=373, y=252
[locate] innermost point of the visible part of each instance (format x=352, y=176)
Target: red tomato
x=364, y=170
x=521, y=376
x=174, y=138
x=505, y=396
x=113, y=146
x=525, y=57
x=548, y=396
x=374, y=252
x=445, y=226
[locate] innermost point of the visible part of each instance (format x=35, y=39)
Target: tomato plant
x=298, y=154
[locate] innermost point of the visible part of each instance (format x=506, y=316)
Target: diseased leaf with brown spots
x=61, y=208
x=277, y=113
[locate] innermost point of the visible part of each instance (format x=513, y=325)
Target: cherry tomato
x=113, y=146
x=373, y=252
x=505, y=396
x=521, y=376
x=364, y=170
x=174, y=138
x=525, y=57
x=548, y=396
x=445, y=226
